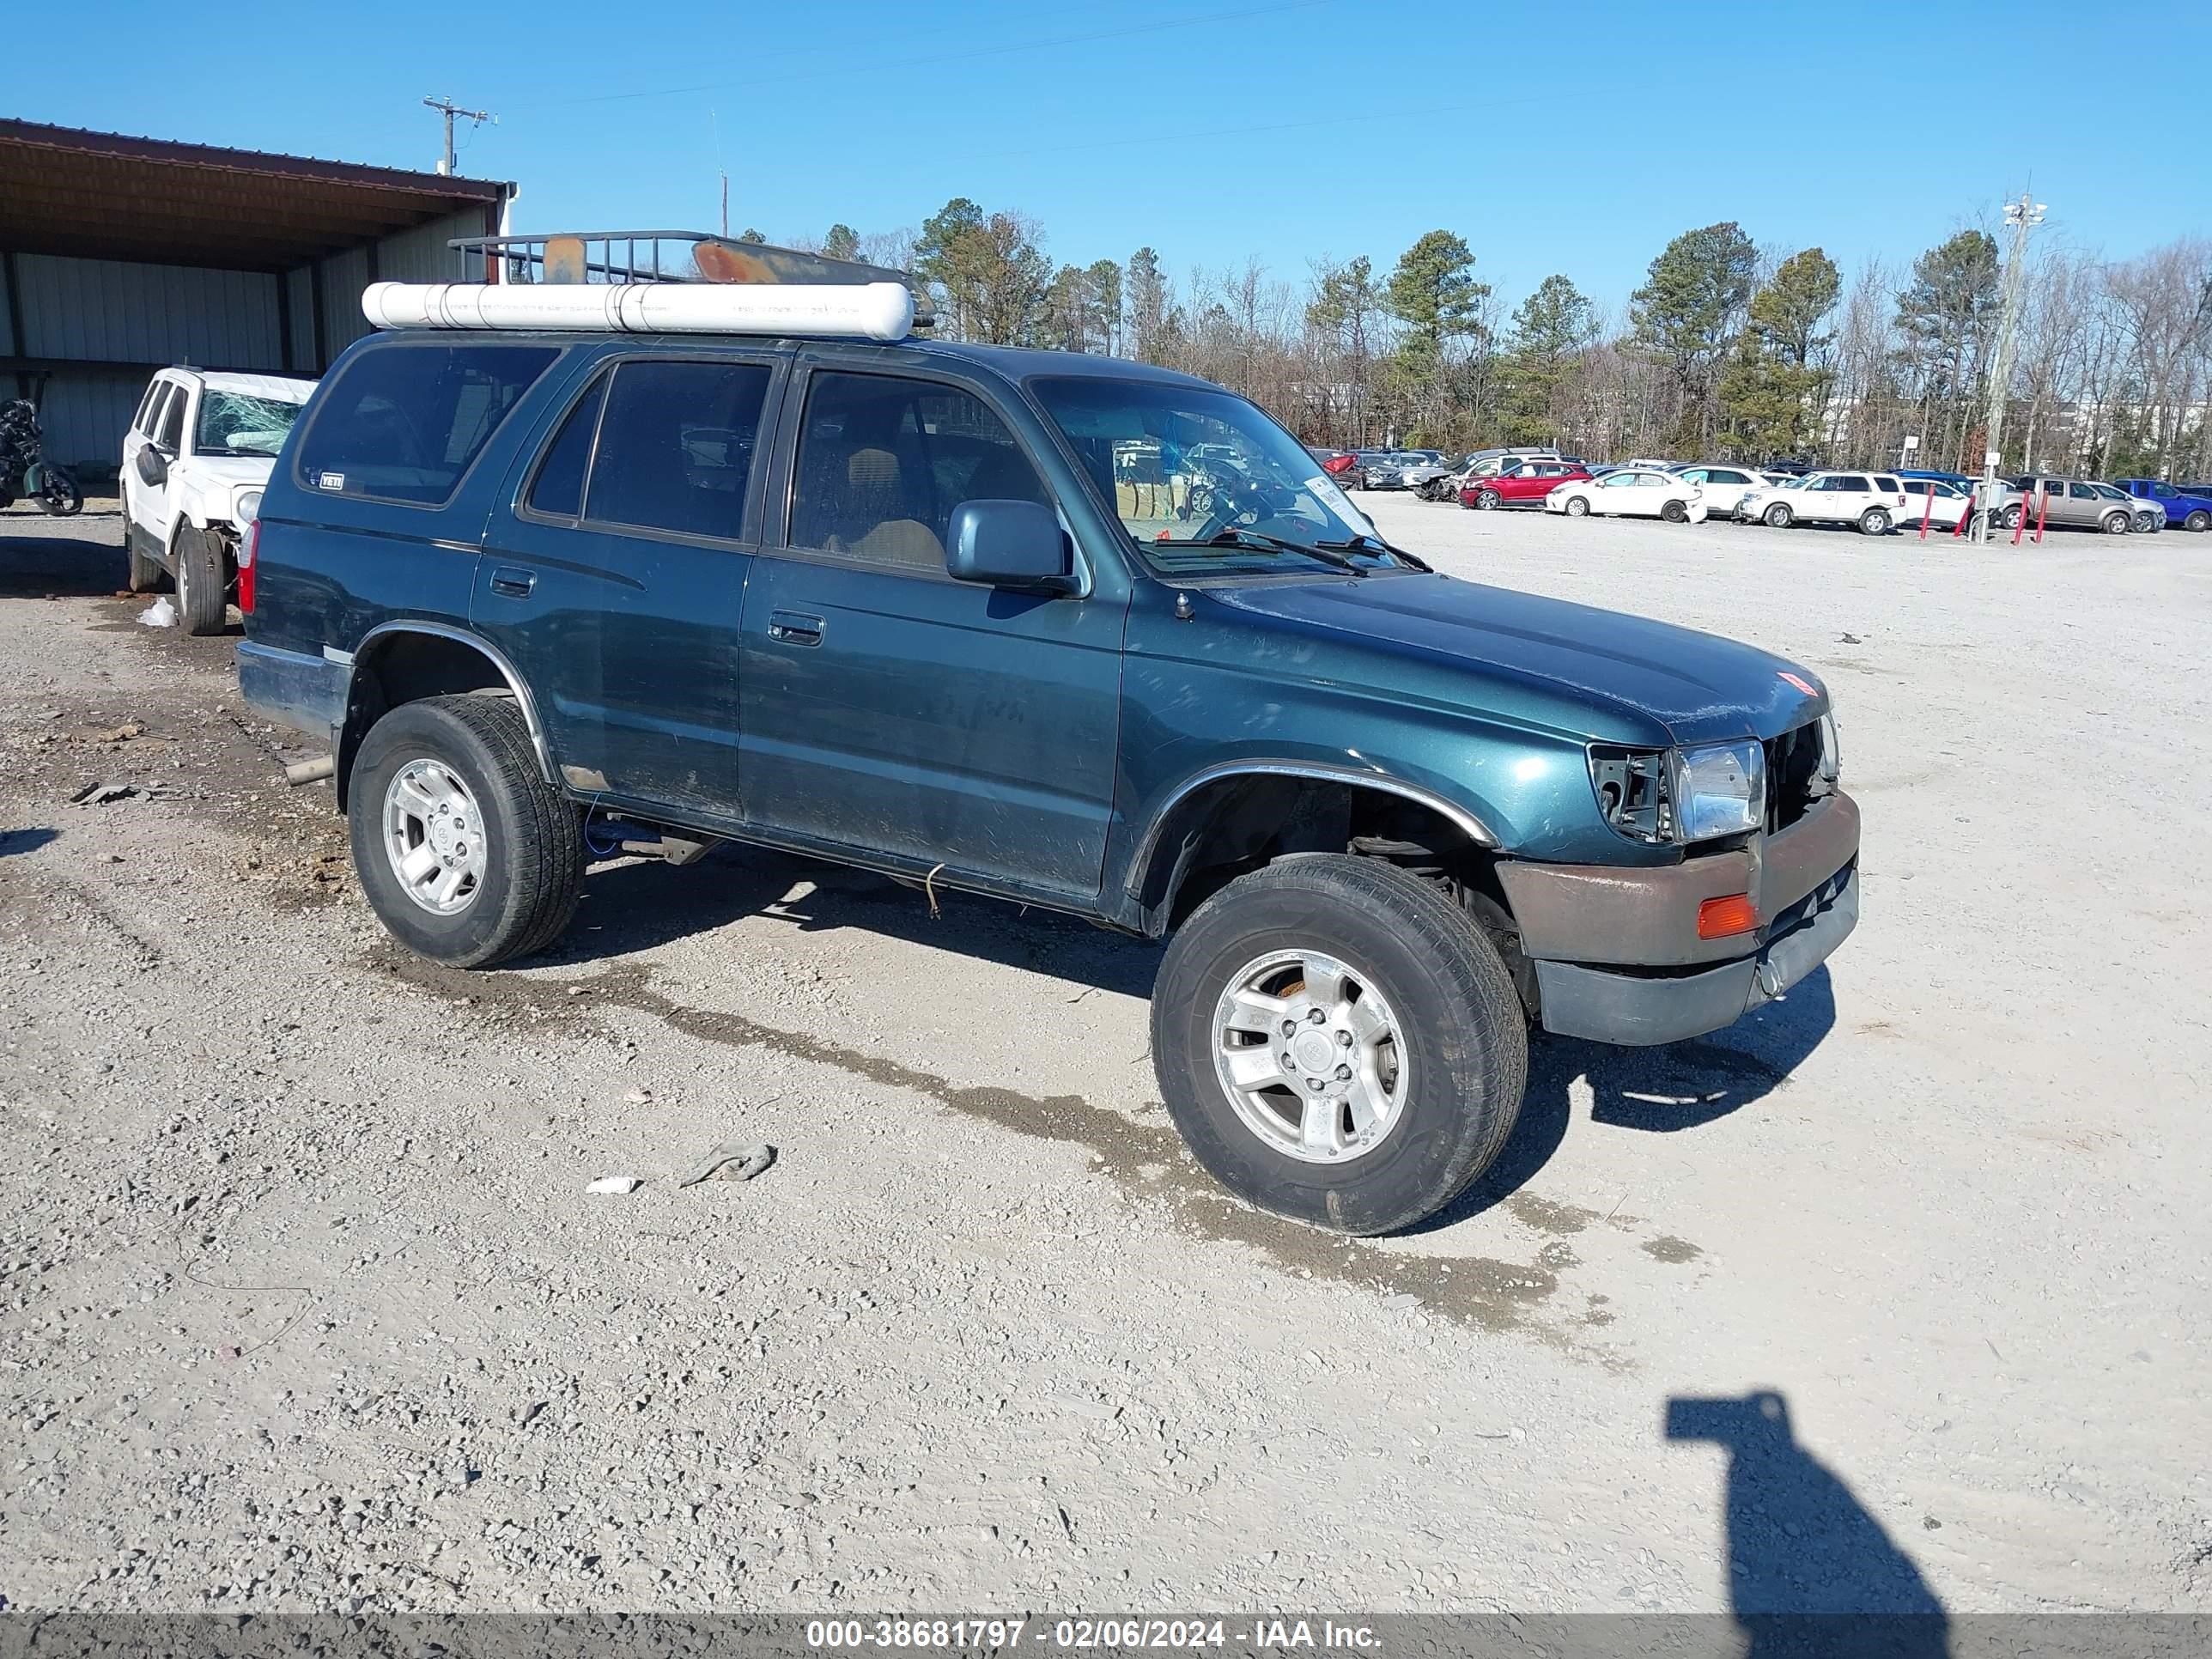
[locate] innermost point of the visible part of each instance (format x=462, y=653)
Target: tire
x=1459, y=1033
x=2200, y=521
x=146, y=574
x=1676, y=513
x=1578, y=506
x=1875, y=521
x=2116, y=524
x=58, y=492
x=1486, y=499
x=530, y=856
x=1779, y=515
x=203, y=580
x=2011, y=517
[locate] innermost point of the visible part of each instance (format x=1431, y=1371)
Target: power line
x=848, y=66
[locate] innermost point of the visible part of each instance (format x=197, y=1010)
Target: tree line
x=1726, y=350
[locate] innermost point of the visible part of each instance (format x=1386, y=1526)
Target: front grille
x=1793, y=776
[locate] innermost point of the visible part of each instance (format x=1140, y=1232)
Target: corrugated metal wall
x=104, y=312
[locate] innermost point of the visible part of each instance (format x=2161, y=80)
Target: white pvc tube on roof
x=870, y=311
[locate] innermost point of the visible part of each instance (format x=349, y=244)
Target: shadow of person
x=1660, y=1090
x=1810, y=1572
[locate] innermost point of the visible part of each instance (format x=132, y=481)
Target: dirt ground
x=1894, y=1296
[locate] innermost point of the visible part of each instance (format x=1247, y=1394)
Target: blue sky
x=1576, y=139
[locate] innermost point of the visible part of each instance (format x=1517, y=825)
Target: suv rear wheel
x=146, y=574
x=1875, y=521
x=466, y=854
x=203, y=580
x=1338, y=1043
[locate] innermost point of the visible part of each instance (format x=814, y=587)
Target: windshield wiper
x=1236, y=536
x=1377, y=542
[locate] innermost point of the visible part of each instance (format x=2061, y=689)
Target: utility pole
x=449, y=109
x=2023, y=216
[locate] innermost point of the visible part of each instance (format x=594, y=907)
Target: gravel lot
x=305, y=1304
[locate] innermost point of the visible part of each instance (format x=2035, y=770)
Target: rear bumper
x=307, y=694
x=1616, y=950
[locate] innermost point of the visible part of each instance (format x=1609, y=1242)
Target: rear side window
x=1850, y=481
x=404, y=423
x=172, y=434
x=559, y=488
x=676, y=446
x=142, y=423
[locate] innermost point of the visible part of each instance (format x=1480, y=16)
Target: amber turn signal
x=1720, y=918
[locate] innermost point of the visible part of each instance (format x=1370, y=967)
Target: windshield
x=233, y=424
x=1203, y=482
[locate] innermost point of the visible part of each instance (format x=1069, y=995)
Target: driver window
x=171, y=436
x=882, y=462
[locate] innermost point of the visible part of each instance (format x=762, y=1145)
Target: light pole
x=2023, y=216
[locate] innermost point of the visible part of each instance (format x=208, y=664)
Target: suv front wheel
x=466, y=854
x=1338, y=1043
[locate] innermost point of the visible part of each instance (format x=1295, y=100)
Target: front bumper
x=1616, y=951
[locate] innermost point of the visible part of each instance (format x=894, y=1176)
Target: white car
x=1640, y=492
x=195, y=460
x=1874, y=502
x=1724, y=485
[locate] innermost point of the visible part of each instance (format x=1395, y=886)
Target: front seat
x=875, y=499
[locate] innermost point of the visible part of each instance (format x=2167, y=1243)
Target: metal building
x=121, y=255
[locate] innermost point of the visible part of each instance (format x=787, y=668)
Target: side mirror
x=1009, y=544
x=152, y=466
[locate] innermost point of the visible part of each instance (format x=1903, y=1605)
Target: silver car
x=1406, y=468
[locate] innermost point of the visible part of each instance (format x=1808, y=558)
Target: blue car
x=1959, y=478
x=2183, y=511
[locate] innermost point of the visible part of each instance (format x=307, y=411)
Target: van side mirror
x=1009, y=544
x=152, y=467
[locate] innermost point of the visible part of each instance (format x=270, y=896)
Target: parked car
x=195, y=460
x=2183, y=509
x=1527, y=484
x=1644, y=492
x=1334, y=463
x=1482, y=464
x=1724, y=483
x=2079, y=504
x=904, y=612
x=1406, y=468
x=1959, y=479
x=1937, y=502
x=1872, y=500
x=1355, y=475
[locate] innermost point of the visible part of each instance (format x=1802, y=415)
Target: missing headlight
x=1631, y=792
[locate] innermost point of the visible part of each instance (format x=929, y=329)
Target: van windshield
x=1204, y=481
x=233, y=424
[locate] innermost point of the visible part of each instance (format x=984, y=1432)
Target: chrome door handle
x=514, y=584
x=790, y=628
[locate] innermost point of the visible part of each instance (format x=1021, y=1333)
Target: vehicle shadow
x=636, y=905
x=1660, y=1090
x=84, y=561
x=13, y=842
x=1811, y=1572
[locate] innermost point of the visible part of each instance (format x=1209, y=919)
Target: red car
x=1333, y=462
x=1525, y=485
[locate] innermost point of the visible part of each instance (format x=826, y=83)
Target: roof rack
x=623, y=257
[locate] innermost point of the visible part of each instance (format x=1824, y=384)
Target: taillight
x=246, y=550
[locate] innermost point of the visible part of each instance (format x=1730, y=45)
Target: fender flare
x=1148, y=845
x=516, y=685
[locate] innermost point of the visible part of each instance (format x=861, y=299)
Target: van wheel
x=2116, y=524
x=1338, y=1043
x=466, y=854
x=1778, y=515
x=201, y=580
x=1874, y=522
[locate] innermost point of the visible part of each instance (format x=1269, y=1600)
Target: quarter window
x=403, y=423
x=882, y=462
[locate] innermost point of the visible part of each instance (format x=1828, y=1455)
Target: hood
x=1626, y=671
x=233, y=469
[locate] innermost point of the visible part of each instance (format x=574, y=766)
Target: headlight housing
x=249, y=506
x=1676, y=796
